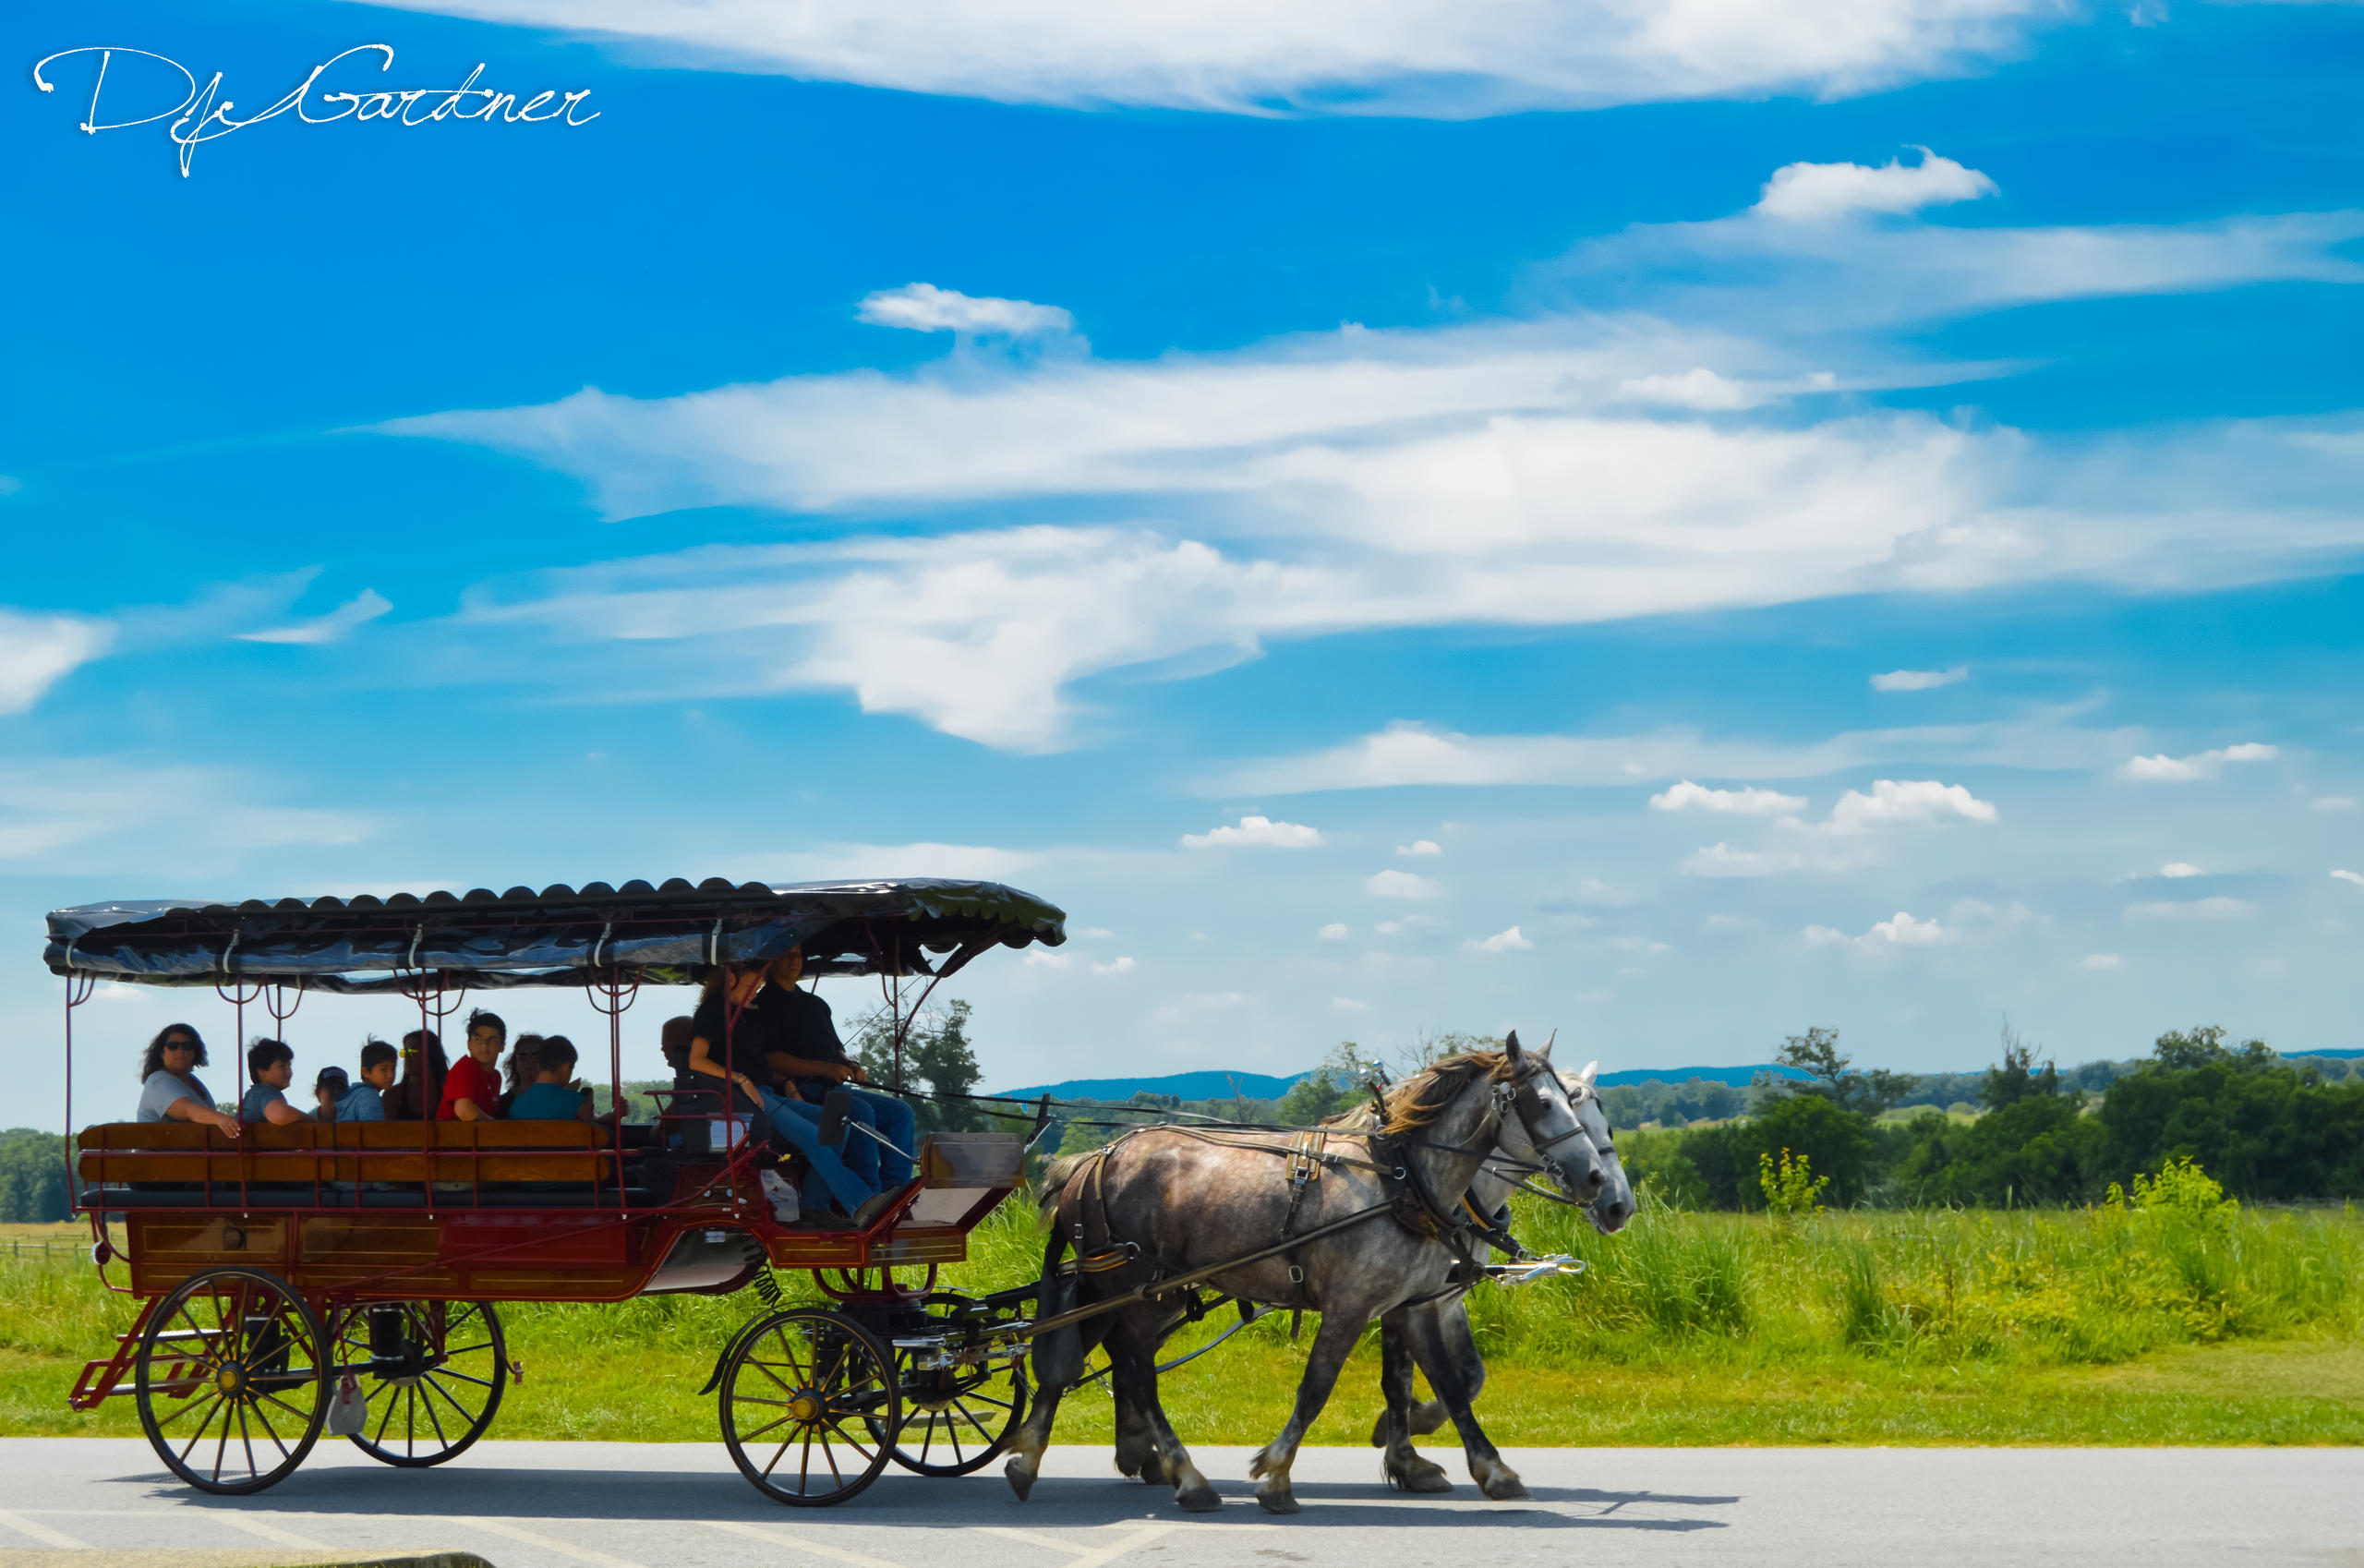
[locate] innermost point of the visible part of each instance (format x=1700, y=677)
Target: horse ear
x=1592, y=1069
x=1510, y=1048
x=1546, y=1052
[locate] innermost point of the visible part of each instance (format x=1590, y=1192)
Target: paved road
x=664, y=1505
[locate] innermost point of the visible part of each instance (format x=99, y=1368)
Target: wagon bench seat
x=181, y=1154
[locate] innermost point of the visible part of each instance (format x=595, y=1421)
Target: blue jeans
x=895, y=1122
x=852, y=1178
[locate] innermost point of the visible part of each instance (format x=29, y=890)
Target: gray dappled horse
x=1166, y=1201
x=1406, y=1418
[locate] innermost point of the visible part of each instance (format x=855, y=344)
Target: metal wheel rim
x=964, y=1424
x=418, y=1421
x=790, y=1357
x=230, y=1360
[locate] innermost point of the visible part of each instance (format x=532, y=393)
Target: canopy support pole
x=77, y=991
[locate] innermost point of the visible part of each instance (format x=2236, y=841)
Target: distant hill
x=1214, y=1084
x=1205, y=1085
x=1218, y=1085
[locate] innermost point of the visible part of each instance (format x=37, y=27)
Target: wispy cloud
x=2200, y=764
x=1919, y=679
x=1900, y=931
x=85, y=814
x=1819, y=192
x=924, y=307
x=38, y=651
x=1747, y=801
x=1511, y=941
x=1254, y=832
x=2358, y=878
x=1419, y=849
x=1403, y=884
x=1847, y=838
x=2217, y=908
x=360, y=610
x=1449, y=59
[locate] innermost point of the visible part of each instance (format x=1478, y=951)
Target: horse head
x=1614, y=1207
x=1540, y=1125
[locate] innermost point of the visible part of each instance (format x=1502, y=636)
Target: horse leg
x=1058, y=1361
x=1132, y=1355
x=1137, y=1451
x=1432, y=1348
x=1453, y=1327
x=1400, y=1467
x=1331, y=1348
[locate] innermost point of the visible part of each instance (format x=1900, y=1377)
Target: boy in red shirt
x=471, y=1089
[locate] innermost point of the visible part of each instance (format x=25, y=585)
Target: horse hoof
x=1200, y=1498
x=1420, y=1476
x=1020, y=1477
x=1506, y=1488
x=1276, y=1502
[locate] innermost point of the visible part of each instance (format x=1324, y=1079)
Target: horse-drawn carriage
x=351, y=1272
x=346, y=1276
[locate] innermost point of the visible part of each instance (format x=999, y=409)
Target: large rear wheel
x=806, y=1395
x=230, y=1378
x=429, y=1374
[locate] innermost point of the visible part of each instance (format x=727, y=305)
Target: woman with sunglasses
x=169, y=1090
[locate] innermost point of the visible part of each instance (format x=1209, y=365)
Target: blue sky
x=1495, y=447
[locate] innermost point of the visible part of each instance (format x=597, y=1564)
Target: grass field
x=2203, y=1325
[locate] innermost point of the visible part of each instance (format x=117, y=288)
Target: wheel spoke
x=745, y=1438
x=447, y=1372
x=972, y=1421
x=246, y=1440
x=199, y=1436
x=384, y=1419
x=436, y=1421
x=268, y=1428
x=831, y=1456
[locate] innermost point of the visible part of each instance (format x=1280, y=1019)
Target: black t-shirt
x=780, y=1018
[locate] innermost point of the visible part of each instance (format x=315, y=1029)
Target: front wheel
x=806, y=1395
x=230, y=1378
x=430, y=1375
x=956, y=1419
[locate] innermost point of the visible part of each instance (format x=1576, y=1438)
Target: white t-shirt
x=163, y=1088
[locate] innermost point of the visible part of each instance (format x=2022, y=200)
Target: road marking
x=40, y=1533
x=1088, y=1556
x=1031, y=1538
x=268, y=1532
x=778, y=1537
x=580, y=1553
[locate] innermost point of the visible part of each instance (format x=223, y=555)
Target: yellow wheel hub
x=228, y=1378
x=805, y=1408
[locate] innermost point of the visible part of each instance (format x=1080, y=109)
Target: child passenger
x=363, y=1102
x=471, y=1089
x=273, y=1065
x=553, y=1096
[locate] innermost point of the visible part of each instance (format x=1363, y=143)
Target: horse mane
x=1419, y=1100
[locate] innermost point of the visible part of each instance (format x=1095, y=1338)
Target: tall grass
x=1687, y=1327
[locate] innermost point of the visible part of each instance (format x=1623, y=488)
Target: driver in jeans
x=782, y=1049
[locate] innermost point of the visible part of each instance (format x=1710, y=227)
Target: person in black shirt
x=753, y=1031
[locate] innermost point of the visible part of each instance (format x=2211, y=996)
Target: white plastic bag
x=786, y=1208
x=348, y=1412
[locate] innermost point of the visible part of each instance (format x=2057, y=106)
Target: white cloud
x=924, y=307
x=2218, y=908
x=1638, y=945
x=1348, y=1005
x=89, y=815
x=1818, y=192
x=1042, y=957
x=1509, y=941
x=1919, y=679
x=1115, y=965
x=2200, y=764
x=1403, y=884
x=1420, y=847
x=1593, y=893
x=986, y=861
x=1421, y=57
x=1495, y=474
x=1408, y=925
x=2350, y=876
x=1893, y=804
x=360, y=610
x=38, y=651
x=1747, y=801
x=1255, y=832
x=1333, y=932
x=1720, y=859
x=2180, y=869
x=1696, y=387
x=1900, y=931
x=2100, y=961
x=2333, y=803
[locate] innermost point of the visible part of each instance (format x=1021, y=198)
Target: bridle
x=1520, y=1098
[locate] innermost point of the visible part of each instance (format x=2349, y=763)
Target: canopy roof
x=669, y=933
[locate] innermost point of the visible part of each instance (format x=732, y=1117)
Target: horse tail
x=1058, y=1355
